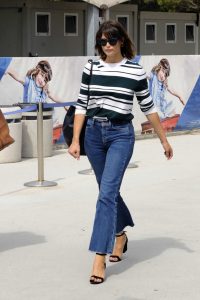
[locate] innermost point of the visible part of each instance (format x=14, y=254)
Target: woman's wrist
x=165, y=141
x=75, y=140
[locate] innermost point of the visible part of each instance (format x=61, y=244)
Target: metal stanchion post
x=40, y=182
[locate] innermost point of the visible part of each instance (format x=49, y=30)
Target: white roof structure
x=104, y=4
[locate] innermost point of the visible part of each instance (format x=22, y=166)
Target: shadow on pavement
x=13, y=240
x=142, y=250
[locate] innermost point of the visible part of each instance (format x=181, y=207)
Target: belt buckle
x=100, y=119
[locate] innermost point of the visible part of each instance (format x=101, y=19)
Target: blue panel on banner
x=190, y=117
x=136, y=59
x=4, y=63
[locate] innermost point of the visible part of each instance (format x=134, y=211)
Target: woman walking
x=109, y=138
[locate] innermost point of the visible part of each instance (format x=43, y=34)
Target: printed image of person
x=36, y=83
x=158, y=86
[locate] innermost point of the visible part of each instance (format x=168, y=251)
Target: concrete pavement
x=45, y=231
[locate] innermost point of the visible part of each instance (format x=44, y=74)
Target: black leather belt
x=120, y=122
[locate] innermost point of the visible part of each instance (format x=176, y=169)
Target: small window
x=42, y=24
x=124, y=20
x=71, y=24
x=189, y=33
x=150, y=33
x=170, y=33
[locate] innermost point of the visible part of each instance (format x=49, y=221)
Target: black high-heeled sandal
x=116, y=257
x=97, y=279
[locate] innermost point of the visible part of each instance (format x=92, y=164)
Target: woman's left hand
x=155, y=121
x=168, y=150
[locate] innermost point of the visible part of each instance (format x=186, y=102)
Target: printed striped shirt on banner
x=112, y=89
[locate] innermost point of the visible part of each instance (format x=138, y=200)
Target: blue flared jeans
x=109, y=147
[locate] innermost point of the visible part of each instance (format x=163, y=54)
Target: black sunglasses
x=112, y=41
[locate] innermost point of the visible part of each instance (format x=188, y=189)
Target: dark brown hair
x=43, y=66
x=163, y=64
x=115, y=29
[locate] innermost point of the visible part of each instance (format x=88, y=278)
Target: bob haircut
x=115, y=29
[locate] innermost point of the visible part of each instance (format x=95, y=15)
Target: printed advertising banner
x=174, y=83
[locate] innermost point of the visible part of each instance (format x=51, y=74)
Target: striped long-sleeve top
x=112, y=88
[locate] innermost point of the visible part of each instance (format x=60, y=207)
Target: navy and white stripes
x=112, y=90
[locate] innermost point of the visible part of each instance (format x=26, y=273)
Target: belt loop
x=91, y=121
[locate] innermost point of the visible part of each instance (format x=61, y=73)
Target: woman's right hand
x=74, y=150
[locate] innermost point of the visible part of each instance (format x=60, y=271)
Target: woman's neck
x=114, y=59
